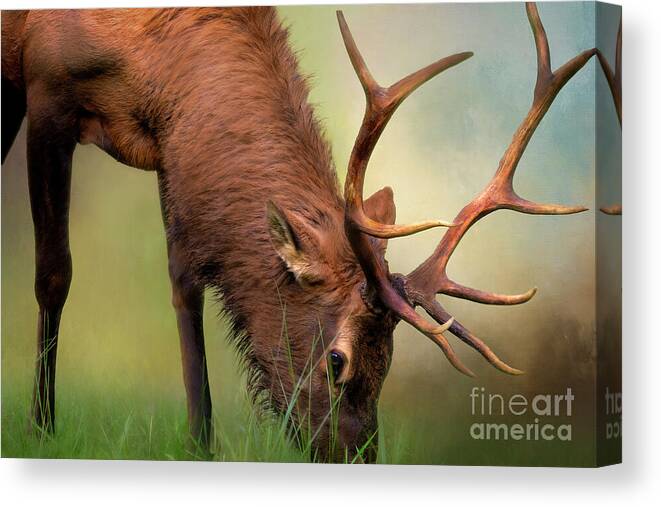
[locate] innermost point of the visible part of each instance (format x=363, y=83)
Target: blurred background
x=118, y=338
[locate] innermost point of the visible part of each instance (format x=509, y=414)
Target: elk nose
x=359, y=441
x=366, y=455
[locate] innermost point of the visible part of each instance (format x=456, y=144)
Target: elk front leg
x=188, y=302
x=49, y=155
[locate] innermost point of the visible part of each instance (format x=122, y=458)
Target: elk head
x=354, y=354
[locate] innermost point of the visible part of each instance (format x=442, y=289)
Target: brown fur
x=214, y=101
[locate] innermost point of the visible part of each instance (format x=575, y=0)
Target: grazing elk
x=213, y=101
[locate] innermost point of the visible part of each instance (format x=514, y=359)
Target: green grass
x=124, y=427
x=89, y=426
x=133, y=426
x=127, y=427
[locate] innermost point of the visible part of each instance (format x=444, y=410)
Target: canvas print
x=358, y=234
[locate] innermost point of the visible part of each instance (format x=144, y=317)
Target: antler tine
x=616, y=209
x=452, y=288
x=430, y=277
x=521, y=205
x=614, y=78
x=451, y=355
x=440, y=315
x=547, y=87
x=381, y=103
x=544, y=72
x=433, y=308
x=364, y=75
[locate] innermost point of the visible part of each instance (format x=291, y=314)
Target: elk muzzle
x=353, y=439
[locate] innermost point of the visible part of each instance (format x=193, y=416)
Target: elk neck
x=243, y=133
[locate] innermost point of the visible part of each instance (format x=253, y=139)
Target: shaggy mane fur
x=258, y=140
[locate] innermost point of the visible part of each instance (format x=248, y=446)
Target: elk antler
x=614, y=78
x=402, y=293
x=381, y=104
x=615, y=84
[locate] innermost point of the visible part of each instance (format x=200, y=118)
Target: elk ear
x=290, y=247
x=381, y=207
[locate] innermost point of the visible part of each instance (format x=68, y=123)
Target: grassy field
x=101, y=427
x=130, y=427
x=116, y=421
x=94, y=427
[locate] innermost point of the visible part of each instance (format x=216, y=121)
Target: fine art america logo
x=539, y=416
x=613, y=414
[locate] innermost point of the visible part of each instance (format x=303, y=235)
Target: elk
x=213, y=101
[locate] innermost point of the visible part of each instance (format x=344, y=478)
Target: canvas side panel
x=609, y=246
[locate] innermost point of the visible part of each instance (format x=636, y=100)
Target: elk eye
x=336, y=361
